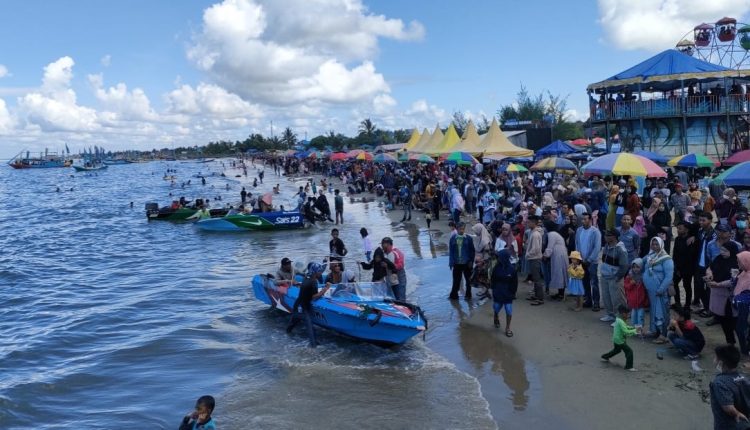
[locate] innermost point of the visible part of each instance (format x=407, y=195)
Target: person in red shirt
x=636, y=295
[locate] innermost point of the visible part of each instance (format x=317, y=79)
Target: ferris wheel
x=726, y=43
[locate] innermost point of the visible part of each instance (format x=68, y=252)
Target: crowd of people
x=648, y=254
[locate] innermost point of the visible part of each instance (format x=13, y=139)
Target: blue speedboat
x=254, y=221
x=362, y=310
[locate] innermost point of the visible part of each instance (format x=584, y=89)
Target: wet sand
x=549, y=374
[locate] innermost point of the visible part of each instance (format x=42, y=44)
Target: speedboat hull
x=382, y=321
x=89, y=168
x=254, y=221
x=181, y=214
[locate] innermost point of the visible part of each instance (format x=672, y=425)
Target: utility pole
x=271, y=129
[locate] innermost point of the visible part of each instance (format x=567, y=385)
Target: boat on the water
x=362, y=310
x=276, y=220
x=117, y=162
x=89, y=165
x=42, y=160
x=180, y=213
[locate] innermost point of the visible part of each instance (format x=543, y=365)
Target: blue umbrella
x=556, y=149
x=653, y=156
x=737, y=176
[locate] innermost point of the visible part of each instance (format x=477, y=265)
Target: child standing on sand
x=366, y=244
x=636, y=295
x=621, y=331
x=575, y=280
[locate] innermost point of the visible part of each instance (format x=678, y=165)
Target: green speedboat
x=154, y=212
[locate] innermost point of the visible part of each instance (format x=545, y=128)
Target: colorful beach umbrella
x=623, y=163
x=364, y=156
x=737, y=158
x=554, y=164
x=692, y=160
x=513, y=168
x=461, y=158
x=421, y=158
x=581, y=142
x=384, y=158
x=354, y=152
x=315, y=154
x=338, y=156
x=653, y=156
x=737, y=176
x=598, y=140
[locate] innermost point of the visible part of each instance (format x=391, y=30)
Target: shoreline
x=576, y=389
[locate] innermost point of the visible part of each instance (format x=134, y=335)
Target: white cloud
x=210, y=100
x=296, y=52
x=126, y=105
x=6, y=121
x=655, y=25
x=106, y=60
x=53, y=107
x=4, y=71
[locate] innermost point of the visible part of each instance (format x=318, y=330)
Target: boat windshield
x=367, y=291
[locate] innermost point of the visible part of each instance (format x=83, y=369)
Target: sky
x=144, y=74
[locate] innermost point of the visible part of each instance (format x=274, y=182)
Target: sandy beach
x=562, y=348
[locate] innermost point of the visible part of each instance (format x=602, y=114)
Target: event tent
x=495, y=142
x=435, y=139
x=413, y=140
x=470, y=141
x=446, y=145
x=661, y=71
x=556, y=148
x=422, y=142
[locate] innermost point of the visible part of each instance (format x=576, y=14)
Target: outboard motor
x=152, y=210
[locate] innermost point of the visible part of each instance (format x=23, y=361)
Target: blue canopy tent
x=653, y=156
x=660, y=72
x=556, y=149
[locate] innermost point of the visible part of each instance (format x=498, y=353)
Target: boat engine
x=152, y=209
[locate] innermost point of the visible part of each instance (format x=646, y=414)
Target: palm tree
x=367, y=128
x=289, y=137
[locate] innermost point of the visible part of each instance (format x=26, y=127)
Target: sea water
x=108, y=320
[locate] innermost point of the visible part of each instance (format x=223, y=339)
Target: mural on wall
x=706, y=135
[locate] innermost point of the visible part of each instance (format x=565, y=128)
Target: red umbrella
x=737, y=158
x=338, y=156
x=581, y=142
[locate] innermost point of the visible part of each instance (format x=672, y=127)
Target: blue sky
x=144, y=74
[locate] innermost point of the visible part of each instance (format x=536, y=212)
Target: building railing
x=675, y=106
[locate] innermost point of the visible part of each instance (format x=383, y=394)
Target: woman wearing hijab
x=653, y=209
x=504, y=281
x=506, y=240
x=719, y=280
x=663, y=223
x=741, y=300
x=557, y=255
x=612, y=208
x=657, y=275
x=633, y=203
x=482, y=240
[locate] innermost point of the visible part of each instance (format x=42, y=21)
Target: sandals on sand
x=508, y=333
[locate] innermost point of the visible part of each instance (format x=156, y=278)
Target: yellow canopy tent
x=450, y=140
x=496, y=143
x=432, y=144
x=413, y=140
x=470, y=141
x=422, y=143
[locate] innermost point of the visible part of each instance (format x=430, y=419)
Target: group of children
x=683, y=333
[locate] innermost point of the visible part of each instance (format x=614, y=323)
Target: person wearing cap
x=461, y=260
x=612, y=271
x=285, y=272
x=308, y=292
